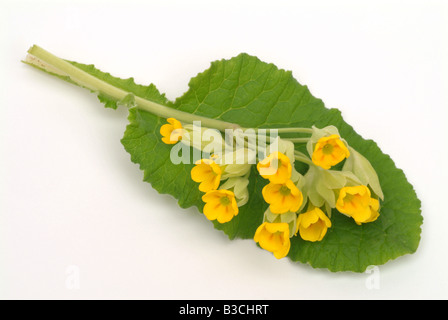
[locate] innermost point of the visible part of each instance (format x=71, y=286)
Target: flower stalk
x=48, y=62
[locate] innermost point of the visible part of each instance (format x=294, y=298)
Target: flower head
x=356, y=203
x=208, y=173
x=283, y=197
x=172, y=132
x=274, y=237
x=313, y=225
x=238, y=185
x=374, y=214
x=329, y=151
x=220, y=205
x=276, y=167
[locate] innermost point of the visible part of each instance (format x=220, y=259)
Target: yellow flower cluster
x=299, y=208
x=296, y=204
x=221, y=199
x=281, y=193
x=219, y=204
x=285, y=199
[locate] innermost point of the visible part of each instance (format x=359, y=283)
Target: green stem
x=302, y=157
x=43, y=59
x=284, y=130
x=300, y=154
x=295, y=130
x=297, y=140
x=46, y=61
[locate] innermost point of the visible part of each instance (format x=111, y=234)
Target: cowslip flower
x=283, y=197
x=220, y=205
x=313, y=225
x=374, y=214
x=274, y=237
x=172, y=131
x=208, y=173
x=276, y=167
x=289, y=217
x=357, y=203
x=238, y=185
x=329, y=151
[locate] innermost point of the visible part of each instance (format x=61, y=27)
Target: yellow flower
x=208, y=173
x=276, y=167
x=357, y=203
x=172, y=132
x=374, y=214
x=274, y=237
x=220, y=205
x=283, y=197
x=313, y=225
x=238, y=185
x=329, y=151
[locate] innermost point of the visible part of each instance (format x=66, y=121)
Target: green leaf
x=146, y=92
x=252, y=93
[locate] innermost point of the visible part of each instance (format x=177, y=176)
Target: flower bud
x=320, y=185
x=204, y=139
x=235, y=163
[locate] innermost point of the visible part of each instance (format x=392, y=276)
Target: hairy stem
x=46, y=61
x=297, y=140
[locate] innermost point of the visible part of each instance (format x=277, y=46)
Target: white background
x=73, y=205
